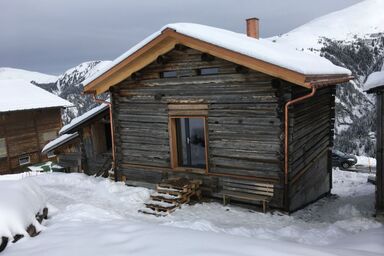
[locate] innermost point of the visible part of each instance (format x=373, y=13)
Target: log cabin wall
x=91, y=151
x=69, y=156
x=311, y=140
x=94, y=147
x=380, y=154
x=244, y=121
x=24, y=133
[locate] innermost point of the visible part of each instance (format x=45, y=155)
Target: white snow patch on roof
x=13, y=73
x=59, y=141
x=375, y=80
x=20, y=201
x=261, y=49
x=84, y=117
x=17, y=94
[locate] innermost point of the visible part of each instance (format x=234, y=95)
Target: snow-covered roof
x=14, y=73
x=59, y=141
x=17, y=94
x=374, y=81
x=83, y=118
x=260, y=49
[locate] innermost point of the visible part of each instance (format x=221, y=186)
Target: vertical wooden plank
x=380, y=155
x=172, y=141
x=206, y=145
x=38, y=148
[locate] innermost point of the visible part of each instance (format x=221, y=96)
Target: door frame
x=172, y=130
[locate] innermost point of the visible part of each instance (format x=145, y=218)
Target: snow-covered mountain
x=351, y=38
x=358, y=21
x=68, y=86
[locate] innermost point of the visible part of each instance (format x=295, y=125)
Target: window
x=23, y=160
x=168, y=74
x=178, y=73
x=188, y=137
x=190, y=140
x=3, y=148
x=47, y=136
x=51, y=154
x=208, y=71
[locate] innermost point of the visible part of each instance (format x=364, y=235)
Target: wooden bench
x=247, y=190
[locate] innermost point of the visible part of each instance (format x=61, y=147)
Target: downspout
x=286, y=142
x=112, y=130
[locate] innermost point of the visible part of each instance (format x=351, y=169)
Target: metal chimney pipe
x=253, y=27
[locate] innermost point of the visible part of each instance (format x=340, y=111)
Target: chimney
x=253, y=27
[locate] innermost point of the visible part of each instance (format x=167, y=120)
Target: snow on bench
x=23, y=206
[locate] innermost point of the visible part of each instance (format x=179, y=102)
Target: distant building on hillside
x=375, y=84
x=29, y=118
x=252, y=119
x=85, y=144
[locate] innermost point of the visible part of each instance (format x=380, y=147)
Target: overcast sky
x=52, y=36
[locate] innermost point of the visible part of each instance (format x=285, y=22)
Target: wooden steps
x=171, y=194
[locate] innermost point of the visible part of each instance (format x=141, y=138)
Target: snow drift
x=20, y=201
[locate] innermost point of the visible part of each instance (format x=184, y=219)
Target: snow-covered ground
x=94, y=216
x=366, y=161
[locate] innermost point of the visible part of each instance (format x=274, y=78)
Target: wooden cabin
x=375, y=84
x=205, y=103
x=84, y=145
x=29, y=118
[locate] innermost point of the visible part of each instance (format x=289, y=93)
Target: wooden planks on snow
x=171, y=194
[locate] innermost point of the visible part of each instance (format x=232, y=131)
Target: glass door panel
x=191, y=142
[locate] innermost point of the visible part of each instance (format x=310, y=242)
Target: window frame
x=24, y=156
x=177, y=111
x=51, y=154
x=49, y=135
x=5, y=147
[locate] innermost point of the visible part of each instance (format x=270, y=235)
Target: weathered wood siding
x=244, y=121
x=311, y=140
x=26, y=133
x=69, y=156
x=380, y=154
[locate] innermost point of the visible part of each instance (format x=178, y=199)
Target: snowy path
x=92, y=216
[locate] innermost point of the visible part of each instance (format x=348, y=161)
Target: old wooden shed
x=29, y=118
x=375, y=84
x=85, y=143
x=206, y=103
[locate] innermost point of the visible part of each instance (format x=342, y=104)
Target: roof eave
x=169, y=38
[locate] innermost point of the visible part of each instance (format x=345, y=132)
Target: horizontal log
x=245, y=164
x=224, y=170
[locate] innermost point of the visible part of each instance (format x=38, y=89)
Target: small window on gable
x=3, y=148
x=47, y=136
x=168, y=74
x=23, y=160
x=208, y=71
x=51, y=154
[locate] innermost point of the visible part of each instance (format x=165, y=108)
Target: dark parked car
x=343, y=160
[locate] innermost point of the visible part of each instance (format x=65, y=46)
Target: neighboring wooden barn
x=204, y=103
x=375, y=84
x=85, y=143
x=29, y=118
